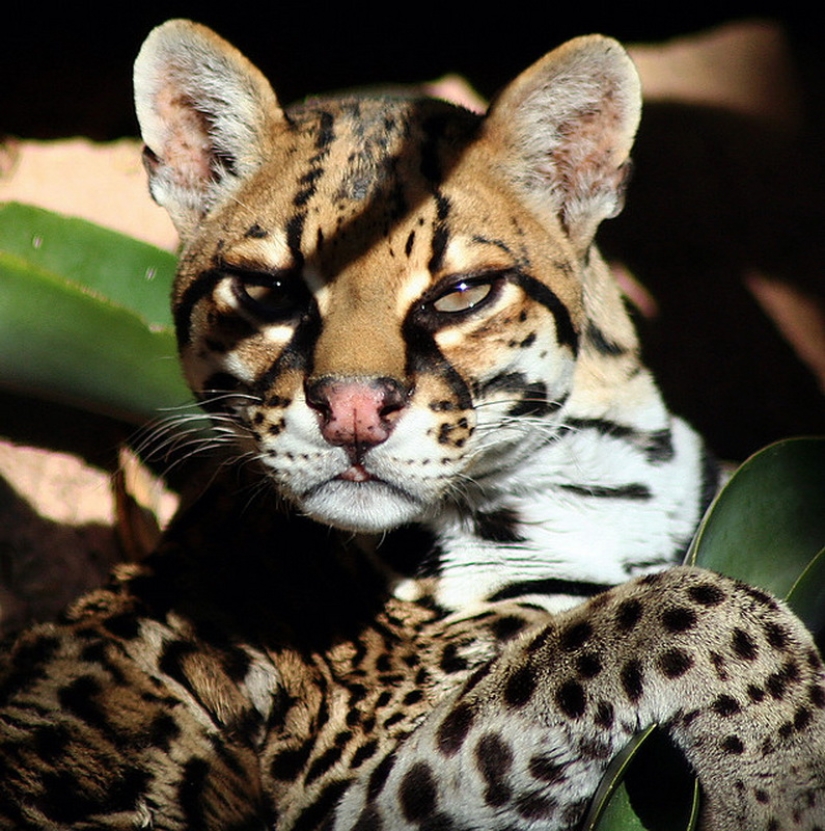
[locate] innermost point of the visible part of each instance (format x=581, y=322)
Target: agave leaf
x=647, y=787
x=610, y=809
x=767, y=525
x=123, y=270
x=73, y=329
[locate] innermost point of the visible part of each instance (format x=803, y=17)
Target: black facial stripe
x=203, y=286
x=657, y=445
x=538, y=291
x=634, y=491
x=549, y=586
x=425, y=358
x=298, y=352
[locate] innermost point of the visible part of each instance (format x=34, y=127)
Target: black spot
x=507, y=627
x=451, y=661
x=493, y=756
x=802, y=718
x=744, y=645
x=571, y=699
x=322, y=764
x=632, y=679
x=80, y=698
x=776, y=685
x=256, y=232
x=707, y=594
x=287, y=764
x=674, y=663
x=628, y=614
x=726, y=705
x=756, y=694
x=777, y=636
x=379, y=776
x=536, y=806
x=412, y=697
x=163, y=731
x=733, y=745
x=454, y=729
x=678, y=619
x=315, y=813
x=366, y=751
x=520, y=687
x=575, y=636
x=191, y=789
x=370, y=820
x=588, y=665
x=50, y=742
x=417, y=793
x=546, y=769
x=604, y=715
x=817, y=694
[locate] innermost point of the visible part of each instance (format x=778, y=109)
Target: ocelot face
x=379, y=319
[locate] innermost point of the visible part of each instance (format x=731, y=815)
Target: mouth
x=356, y=473
x=357, y=500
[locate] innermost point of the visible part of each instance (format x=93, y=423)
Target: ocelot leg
x=732, y=677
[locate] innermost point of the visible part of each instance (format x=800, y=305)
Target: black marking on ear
x=566, y=333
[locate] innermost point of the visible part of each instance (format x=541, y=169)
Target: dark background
x=713, y=195
x=68, y=71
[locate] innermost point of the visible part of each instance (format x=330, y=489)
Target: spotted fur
x=444, y=441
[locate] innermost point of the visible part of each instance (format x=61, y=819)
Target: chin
x=364, y=507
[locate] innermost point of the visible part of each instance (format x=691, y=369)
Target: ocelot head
x=394, y=302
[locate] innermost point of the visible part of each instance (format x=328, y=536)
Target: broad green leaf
x=79, y=321
x=647, y=787
x=123, y=270
x=807, y=595
x=610, y=809
x=768, y=524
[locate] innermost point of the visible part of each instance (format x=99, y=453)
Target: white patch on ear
x=567, y=125
x=206, y=115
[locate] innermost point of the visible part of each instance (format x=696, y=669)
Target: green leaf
x=610, y=809
x=123, y=270
x=767, y=525
x=79, y=320
x=647, y=787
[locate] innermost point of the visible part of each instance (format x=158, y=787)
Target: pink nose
x=356, y=413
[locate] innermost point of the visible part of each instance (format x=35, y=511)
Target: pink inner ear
x=186, y=144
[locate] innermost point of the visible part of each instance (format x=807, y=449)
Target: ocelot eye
x=272, y=297
x=463, y=296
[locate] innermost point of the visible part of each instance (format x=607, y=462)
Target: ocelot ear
x=564, y=129
x=206, y=115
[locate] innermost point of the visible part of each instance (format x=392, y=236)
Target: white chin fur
x=364, y=507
